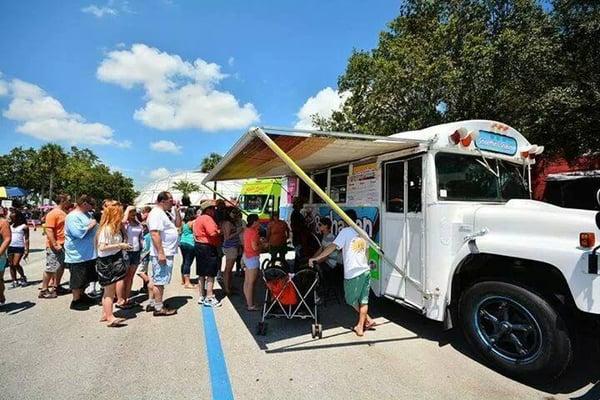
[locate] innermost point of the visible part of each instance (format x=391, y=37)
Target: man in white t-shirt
x=356, y=272
x=165, y=242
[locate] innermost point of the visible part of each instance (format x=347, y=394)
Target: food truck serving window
x=253, y=203
x=339, y=181
x=467, y=178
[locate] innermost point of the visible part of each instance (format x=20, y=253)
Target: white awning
x=250, y=157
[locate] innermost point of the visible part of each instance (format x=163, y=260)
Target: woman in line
x=135, y=240
x=186, y=245
x=252, y=247
x=111, y=265
x=19, y=247
x=5, y=239
x=231, y=243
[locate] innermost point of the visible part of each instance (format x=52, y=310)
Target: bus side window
x=415, y=182
x=394, y=187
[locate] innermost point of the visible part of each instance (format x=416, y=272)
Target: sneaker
x=212, y=302
x=164, y=312
x=14, y=284
x=85, y=299
x=201, y=300
x=79, y=305
x=61, y=290
x=150, y=308
x=23, y=282
x=46, y=294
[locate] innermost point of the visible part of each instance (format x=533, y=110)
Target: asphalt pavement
x=51, y=352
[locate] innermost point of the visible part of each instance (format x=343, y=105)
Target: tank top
x=134, y=232
x=3, y=257
x=18, y=236
x=187, y=236
x=234, y=241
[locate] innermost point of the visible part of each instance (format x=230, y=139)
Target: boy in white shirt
x=356, y=272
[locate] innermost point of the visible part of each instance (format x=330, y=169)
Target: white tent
x=148, y=194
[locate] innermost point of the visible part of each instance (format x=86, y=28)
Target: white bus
x=449, y=211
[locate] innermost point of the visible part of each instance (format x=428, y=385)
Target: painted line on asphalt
x=219, y=376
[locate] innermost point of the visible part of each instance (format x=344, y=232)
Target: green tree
x=51, y=159
x=209, y=162
x=186, y=188
x=505, y=60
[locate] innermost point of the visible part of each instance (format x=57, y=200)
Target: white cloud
x=231, y=61
x=44, y=117
x=99, y=11
x=3, y=88
x=323, y=104
x=180, y=94
x=165, y=146
x=159, y=173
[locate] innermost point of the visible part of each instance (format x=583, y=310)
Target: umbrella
x=12, y=191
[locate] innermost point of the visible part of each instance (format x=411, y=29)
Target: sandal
x=116, y=323
x=253, y=308
x=370, y=326
x=124, y=306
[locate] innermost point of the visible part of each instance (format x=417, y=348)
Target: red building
x=568, y=184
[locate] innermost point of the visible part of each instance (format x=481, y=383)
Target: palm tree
x=210, y=162
x=185, y=187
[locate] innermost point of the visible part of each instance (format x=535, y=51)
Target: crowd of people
x=109, y=244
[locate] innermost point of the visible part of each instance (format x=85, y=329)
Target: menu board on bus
x=362, y=188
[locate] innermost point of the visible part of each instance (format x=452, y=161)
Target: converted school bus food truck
x=452, y=230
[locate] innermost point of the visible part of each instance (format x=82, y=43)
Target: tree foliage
x=77, y=171
x=209, y=162
x=506, y=60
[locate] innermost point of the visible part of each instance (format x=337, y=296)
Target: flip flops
x=116, y=323
x=370, y=326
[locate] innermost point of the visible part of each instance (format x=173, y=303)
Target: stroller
x=291, y=296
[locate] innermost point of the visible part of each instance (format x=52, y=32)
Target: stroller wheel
x=314, y=331
x=320, y=331
x=261, y=329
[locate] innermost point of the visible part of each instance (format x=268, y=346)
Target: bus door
x=402, y=228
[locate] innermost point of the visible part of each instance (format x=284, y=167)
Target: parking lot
x=52, y=352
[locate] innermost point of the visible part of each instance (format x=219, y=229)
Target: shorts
x=231, y=253
x=15, y=250
x=161, y=273
x=82, y=274
x=252, y=262
x=134, y=257
x=54, y=260
x=3, y=263
x=207, y=260
x=356, y=290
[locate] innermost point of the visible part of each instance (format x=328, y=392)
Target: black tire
x=542, y=349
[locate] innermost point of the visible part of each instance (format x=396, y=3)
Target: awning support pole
x=302, y=175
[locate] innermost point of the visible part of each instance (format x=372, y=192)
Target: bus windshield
x=253, y=203
x=467, y=178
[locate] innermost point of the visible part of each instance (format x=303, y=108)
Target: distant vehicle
x=262, y=197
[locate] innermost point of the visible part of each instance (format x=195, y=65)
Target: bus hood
x=532, y=221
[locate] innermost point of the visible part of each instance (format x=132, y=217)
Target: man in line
x=208, y=240
x=278, y=233
x=80, y=251
x=55, y=254
x=165, y=241
x=356, y=272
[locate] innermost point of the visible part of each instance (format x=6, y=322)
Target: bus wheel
x=516, y=331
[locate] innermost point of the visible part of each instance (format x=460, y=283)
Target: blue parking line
x=219, y=376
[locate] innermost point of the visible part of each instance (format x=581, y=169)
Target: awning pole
x=221, y=196
x=302, y=175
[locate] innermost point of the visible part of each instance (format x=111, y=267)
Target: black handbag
x=111, y=268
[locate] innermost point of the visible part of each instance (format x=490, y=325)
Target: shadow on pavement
x=583, y=371
x=176, y=302
x=16, y=308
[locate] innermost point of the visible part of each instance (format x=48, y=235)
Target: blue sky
x=154, y=86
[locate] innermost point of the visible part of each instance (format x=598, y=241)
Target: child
x=143, y=270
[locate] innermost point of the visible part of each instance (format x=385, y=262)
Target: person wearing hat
x=207, y=236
